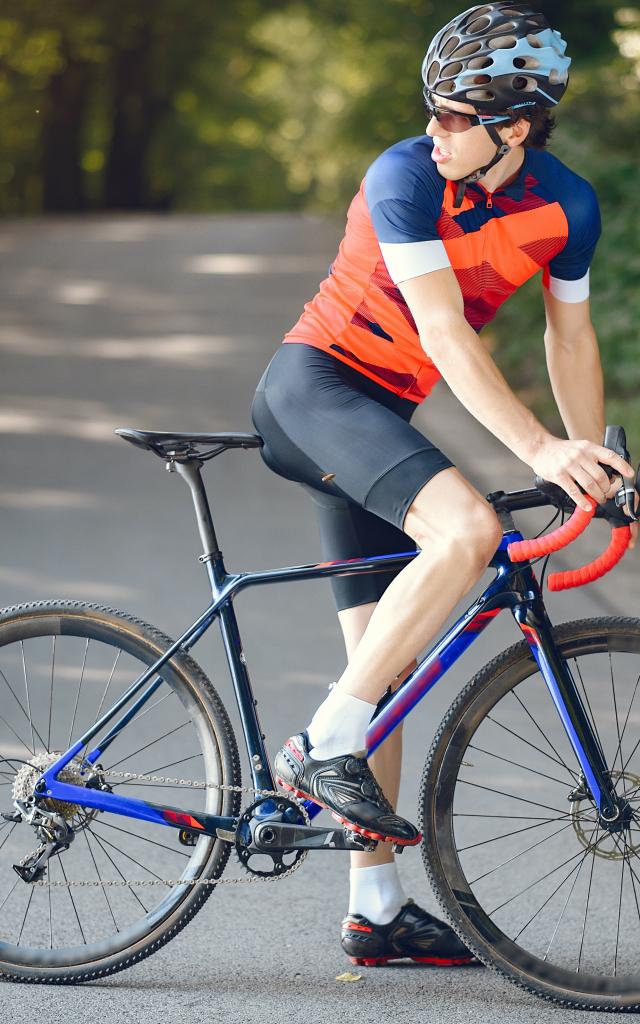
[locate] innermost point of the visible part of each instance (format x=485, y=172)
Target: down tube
x=498, y=595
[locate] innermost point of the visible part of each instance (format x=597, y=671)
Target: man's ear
x=515, y=133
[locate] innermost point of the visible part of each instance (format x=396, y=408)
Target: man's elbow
x=442, y=334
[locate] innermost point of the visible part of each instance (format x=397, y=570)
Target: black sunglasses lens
x=449, y=119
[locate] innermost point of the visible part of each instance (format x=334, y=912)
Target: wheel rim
x=56, y=679
x=528, y=867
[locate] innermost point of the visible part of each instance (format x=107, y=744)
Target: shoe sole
x=349, y=824
x=435, y=961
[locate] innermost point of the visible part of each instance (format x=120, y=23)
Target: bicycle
x=517, y=770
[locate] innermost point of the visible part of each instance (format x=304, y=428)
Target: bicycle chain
x=146, y=883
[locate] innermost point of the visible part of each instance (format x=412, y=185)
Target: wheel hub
x=586, y=821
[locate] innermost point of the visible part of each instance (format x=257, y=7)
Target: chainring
x=280, y=866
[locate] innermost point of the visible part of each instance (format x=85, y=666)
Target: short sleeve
x=567, y=274
x=405, y=201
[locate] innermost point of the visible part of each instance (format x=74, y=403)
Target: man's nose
x=434, y=128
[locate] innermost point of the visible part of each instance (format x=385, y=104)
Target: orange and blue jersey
x=402, y=223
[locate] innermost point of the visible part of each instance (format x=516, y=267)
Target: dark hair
x=542, y=124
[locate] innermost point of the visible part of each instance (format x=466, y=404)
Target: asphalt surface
x=167, y=323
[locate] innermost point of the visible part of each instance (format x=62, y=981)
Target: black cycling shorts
x=318, y=416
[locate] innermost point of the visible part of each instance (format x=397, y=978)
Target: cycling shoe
x=347, y=787
x=413, y=933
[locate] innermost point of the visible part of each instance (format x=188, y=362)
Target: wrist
x=529, y=448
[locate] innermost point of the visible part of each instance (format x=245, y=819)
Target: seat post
x=190, y=471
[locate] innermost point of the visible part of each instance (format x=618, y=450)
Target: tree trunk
x=133, y=120
x=62, y=132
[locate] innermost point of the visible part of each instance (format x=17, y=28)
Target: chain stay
x=147, y=883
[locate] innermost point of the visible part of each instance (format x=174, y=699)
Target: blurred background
x=280, y=106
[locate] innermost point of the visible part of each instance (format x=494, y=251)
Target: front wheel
x=63, y=664
x=513, y=847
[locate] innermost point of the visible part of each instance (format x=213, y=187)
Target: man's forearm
x=477, y=382
x=575, y=373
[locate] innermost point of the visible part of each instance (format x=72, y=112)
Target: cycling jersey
x=402, y=223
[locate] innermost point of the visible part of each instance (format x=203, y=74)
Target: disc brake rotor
x=584, y=819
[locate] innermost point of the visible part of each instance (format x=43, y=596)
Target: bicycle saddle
x=163, y=442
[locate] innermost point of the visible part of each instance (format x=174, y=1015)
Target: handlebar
x=546, y=493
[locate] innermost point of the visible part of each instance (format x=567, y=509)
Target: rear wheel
x=62, y=665
x=526, y=872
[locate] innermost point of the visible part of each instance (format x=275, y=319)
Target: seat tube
x=534, y=622
x=213, y=560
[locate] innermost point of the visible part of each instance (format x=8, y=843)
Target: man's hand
x=573, y=463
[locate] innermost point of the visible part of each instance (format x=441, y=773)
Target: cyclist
x=444, y=228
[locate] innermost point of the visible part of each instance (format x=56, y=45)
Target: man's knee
x=449, y=512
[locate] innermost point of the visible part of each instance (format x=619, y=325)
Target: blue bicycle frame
x=514, y=587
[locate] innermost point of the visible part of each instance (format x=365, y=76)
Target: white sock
x=376, y=892
x=340, y=725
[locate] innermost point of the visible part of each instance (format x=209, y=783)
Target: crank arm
x=270, y=836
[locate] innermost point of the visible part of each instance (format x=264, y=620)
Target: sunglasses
x=453, y=121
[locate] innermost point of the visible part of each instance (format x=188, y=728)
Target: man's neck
x=505, y=171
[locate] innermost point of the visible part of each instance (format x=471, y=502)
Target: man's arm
x=437, y=307
x=575, y=371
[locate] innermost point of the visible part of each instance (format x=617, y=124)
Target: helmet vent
x=450, y=31
x=479, y=25
x=467, y=49
x=556, y=77
x=535, y=41
x=502, y=43
x=445, y=88
x=478, y=79
x=480, y=95
x=477, y=63
x=528, y=62
x=432, y=74
x=480, y=12
x=524, y=84
x=511, y=14
x=451, y=70
x=449, y=46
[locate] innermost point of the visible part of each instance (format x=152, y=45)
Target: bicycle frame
x=514, y=587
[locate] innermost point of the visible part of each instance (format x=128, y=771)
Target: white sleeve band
x=411, y=259
x=570, y=291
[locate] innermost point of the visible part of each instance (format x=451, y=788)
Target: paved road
x=167, y=323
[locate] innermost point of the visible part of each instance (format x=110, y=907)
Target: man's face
x=460, y=153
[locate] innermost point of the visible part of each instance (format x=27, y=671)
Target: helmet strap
x=502, y=150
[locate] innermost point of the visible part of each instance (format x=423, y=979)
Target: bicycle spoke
x=137, y=835
x=511, y=796
x=102, y=699
x=592, y=720
x=615, y=955
x=147, y=745
x=25, y=915
x=615, y=708
x=11, y=890
x=619, y=748
x=565, y=905
x=506, y=728
x=53, y=662
x=507, y=835
x=75, y=709
x=20, y=705
x=104, y=890
x=516, y=764
x=542, y=878
x=516, y=856
x=576, y=868
x=127, y=855
x=9, y=833
x=126, y=880
x=26, y=687
x=73, y=902
x=558, y=758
